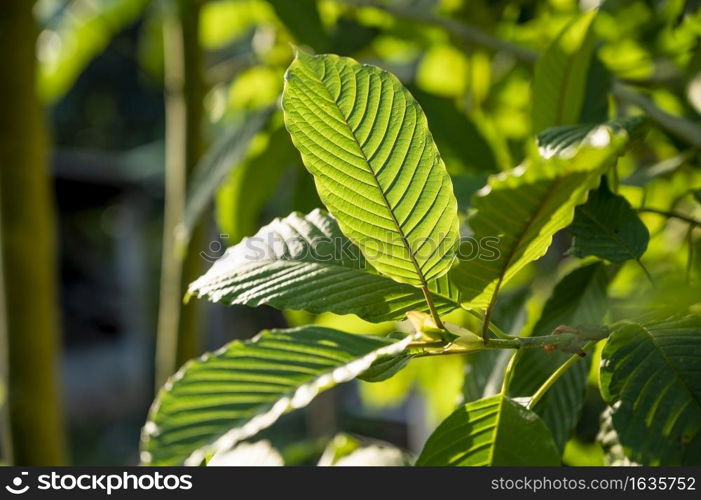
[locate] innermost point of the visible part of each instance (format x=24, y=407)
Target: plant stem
x=556, y=375
x=177, y=336
x=432, y=307
x=34, y=432
x=445, y=348
x=671, y=214
x=510, y=371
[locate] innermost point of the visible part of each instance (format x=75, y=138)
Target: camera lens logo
x=16, y=488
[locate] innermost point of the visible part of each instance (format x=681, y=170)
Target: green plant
x=390, y=248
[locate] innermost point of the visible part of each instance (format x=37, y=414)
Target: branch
x=671, y=214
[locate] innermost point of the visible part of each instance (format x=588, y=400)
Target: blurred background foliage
x=100, y=78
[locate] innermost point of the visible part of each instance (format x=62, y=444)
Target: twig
x=556, y=375
x=671, y=214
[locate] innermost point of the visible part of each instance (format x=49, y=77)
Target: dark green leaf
x=606, y=226
x=491, y=431
x=650, y=375
x=384, y=368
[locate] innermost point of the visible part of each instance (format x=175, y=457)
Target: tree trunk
x=178, y=324
x=29, y=319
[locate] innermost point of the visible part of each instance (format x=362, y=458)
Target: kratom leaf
x=366, y=141
x=306, y=263
x=561, y=73
x=384, y=368
x=559, y=140
x=606, y=226
x=595, y=108
x=227, y=396
x=526, y=206
x=491, y=431
x=579, y=298
x=650, y=375
x=226, y=153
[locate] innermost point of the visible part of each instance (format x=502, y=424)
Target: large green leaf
x=227, y=396
x=560, y=76
x=526, y=206
x=607, y=227
x=366, y=141
x=491, y=431
x=650, y=374
x=306, y=263
x=579, y=298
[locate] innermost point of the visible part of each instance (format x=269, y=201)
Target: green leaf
x=559, y=140
x=607, y=227
x=526, y=206
x=227, y=396
x=366, y=141
x=306, y=263
x=595, y=108
x=650, y=375
x=492, y=431
x=578, y=298
x=384, y=368
x=561, y=73
x=211, y=171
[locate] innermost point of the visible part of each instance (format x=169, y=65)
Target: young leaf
x=366, y=141
x=561, y=73
x=491, y=431
x=650, y=375
x=227, y=396
x=526, y=206
x=306, y=263
x=606, y=226
x=579, y=298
